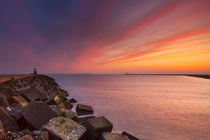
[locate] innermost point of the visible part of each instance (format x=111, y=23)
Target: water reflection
x=150, y=107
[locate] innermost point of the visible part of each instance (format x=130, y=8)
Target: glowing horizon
x=157, y=36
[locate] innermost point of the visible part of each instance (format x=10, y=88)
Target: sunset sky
x=105, y=36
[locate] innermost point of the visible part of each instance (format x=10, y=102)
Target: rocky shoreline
x=34, y=107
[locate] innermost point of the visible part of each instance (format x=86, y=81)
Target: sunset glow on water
x=150, y=107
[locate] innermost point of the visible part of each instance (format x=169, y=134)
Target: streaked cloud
x=104, y=36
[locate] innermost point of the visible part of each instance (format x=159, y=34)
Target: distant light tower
x=35, y=71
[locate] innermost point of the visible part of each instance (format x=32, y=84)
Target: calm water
x=150, y=107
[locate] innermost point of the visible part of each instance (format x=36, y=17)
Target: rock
x=14, y=111
x=61, y=128
x=51, y=100
x=41, y=135
x=70, y=114
x=6, y=98
x=84, y=109
x=3, y=100
x=83, y=120
x=56, y=109
x=113, y=136
x=68, y=105
x=2, y=132
x=26, y=137
x=37, y=114
x=60, y=98
x=8, y=123
x=72, y=100
x=96, y=126
x=37, y=135
x=65, y=93
x=33, y=94
x=20, y=100
x=131, y=137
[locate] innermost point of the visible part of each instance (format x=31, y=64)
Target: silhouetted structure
x=35, y=71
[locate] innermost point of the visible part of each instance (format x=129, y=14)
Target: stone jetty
x=34, y=107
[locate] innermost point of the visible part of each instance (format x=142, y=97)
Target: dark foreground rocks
x=2, y=132
x=37, y=114
x=8, y=123
x=84, y=109
x=96, y=126
x=61, y=128
x=131, y=137
x=36, y=108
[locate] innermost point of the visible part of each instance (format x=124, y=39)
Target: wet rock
x=84, y=109
x=37, y=114
x=72, y=100
x=113, y=136
x=56, y=109
x=8, y=123
x=2, y=132
x=131, y=137
x=96, y=126
x=68, y=104
x=61, y=128
x=70, y=114
x=26, y=137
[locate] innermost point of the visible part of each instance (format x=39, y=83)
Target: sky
x=105, y=36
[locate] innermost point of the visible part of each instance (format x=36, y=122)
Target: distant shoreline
x=200, y=76
x=17, y=76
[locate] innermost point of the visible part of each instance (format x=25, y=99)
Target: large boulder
x=2, y=132
x=8, y=123
x=33, y=94
x=61, y=128
x=37, y=114
x=72, y=100
x=84, y=109
x=113, y=136
x=83, y=120
x=131, y=137
x=96, y=126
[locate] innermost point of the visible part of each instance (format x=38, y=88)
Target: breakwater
x=35, y=107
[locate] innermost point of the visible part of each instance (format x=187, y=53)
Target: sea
x=150, y=107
